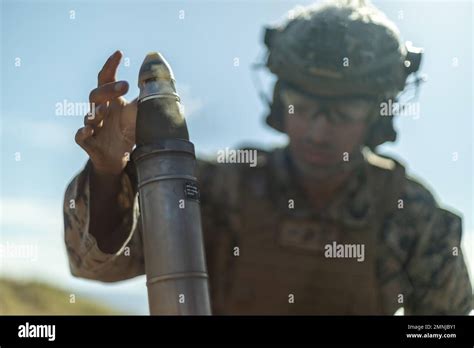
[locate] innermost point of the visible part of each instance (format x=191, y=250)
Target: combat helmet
x=340, y=48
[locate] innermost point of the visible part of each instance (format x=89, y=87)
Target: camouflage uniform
x=248, y=208
x=265, y=244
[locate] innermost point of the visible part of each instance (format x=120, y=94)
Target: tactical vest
x=282, y=264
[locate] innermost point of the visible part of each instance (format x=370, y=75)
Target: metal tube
x=168, y=197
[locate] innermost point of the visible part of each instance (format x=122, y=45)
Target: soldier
x=321, y=226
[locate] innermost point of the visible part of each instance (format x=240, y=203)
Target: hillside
x=35, y=298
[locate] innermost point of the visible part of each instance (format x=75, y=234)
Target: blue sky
x=61, y=45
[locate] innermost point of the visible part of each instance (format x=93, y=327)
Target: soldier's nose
x=319, y=128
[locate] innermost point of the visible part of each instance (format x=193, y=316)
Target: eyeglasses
x=338, y=110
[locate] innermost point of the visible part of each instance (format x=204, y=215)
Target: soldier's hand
x=108, y=134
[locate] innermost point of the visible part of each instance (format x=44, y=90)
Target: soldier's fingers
x=108, y=92
x=99, y=113
x=84, y=138
x=109, y=70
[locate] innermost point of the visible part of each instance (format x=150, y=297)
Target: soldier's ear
x=276, y=116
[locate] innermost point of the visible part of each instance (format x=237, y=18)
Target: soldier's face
x=324, y=131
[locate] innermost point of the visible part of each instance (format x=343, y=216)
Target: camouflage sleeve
x=436, y=268
x=86, y=260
